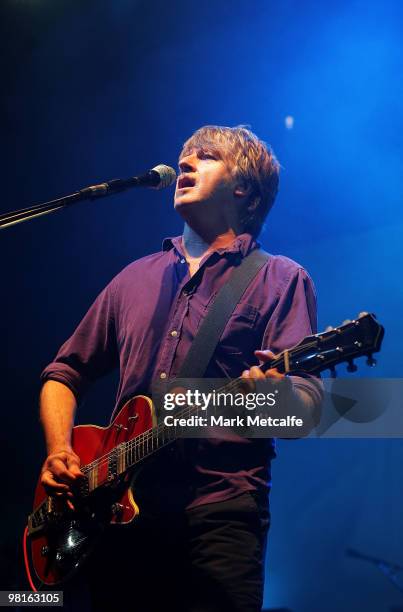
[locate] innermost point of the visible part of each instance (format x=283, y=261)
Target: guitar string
x=141, y=438
x=142, y=434
x=140, y=443
x=154, y=432
x=145, y=436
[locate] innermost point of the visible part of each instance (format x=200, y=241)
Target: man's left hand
x=256, y=373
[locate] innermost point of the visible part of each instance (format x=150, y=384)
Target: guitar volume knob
x=117, y=509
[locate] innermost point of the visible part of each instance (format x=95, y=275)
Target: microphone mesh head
x=167, y=176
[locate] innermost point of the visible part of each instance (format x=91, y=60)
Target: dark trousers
x=207, y=559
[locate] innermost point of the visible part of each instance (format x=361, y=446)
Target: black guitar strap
x=212, y=327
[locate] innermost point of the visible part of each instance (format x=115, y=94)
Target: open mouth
x=185, y=181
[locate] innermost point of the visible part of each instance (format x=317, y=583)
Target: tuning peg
x=329, y=328
x=351, y=366
x=371, y=362
x=362, y=314
x=333, y=372
x=346, y=321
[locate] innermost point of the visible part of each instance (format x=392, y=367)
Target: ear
x=242, y=190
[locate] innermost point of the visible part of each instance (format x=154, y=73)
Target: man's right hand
x=60, y=471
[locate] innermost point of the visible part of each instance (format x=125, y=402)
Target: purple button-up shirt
x=145, y=320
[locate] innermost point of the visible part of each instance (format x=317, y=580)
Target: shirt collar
x=244, y=243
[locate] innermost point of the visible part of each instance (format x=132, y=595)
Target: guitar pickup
x=41, y=517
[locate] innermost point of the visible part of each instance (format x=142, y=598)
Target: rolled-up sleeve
x=295, y=317
x=91, y=352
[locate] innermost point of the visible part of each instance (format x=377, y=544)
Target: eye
x=203, y=154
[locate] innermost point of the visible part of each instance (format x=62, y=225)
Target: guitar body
x=61, y=539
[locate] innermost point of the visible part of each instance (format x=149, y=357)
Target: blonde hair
x=251, y=160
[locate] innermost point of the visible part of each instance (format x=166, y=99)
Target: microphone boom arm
x=161, y=176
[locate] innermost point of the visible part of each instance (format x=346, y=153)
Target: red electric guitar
x=61, y=539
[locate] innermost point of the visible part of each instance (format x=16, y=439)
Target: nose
x=188, y=163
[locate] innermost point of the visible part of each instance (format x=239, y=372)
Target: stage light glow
x=289, y=122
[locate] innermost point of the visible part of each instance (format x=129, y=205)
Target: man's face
x=206, y=181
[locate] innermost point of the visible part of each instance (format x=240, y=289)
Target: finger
x=69, y=460
x=59, y=471
x=64, y=475
x=247, y=382
x=70, y=505
x=49, y=481
x=256, y=373
x=73, y=465
x=274, y=373
x=265, y=356
x=69, y=468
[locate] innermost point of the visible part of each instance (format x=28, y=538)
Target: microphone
x=159, y=177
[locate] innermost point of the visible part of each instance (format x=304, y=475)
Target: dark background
x=94, y=90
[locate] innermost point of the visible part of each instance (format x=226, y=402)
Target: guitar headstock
x=360, y=337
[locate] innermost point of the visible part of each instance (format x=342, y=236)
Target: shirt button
x=163, y=375
x=174, y=333
x=183, y=260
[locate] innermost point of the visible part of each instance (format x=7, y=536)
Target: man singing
x=198, y=544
